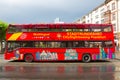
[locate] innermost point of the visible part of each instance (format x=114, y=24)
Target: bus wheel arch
x=86, y=57
x=28, y=57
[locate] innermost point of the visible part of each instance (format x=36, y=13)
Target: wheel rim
x=86, y=58
x=28, y=58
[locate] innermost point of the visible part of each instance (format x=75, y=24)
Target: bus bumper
x=8, y=56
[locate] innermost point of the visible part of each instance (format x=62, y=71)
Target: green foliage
x=3, y=27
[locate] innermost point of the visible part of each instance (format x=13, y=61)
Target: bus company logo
x=59, y=35
x=23, y=36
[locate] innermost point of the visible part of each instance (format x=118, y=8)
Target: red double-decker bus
x=59, y=42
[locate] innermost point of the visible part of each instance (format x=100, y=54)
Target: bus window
x=91, y=44
x=63, y=44
x=107, y=29
x=57, y=44
x=108, y=44
x=13, y=29
x=54, y=30
x=96, y=30
x=42, y=44
x=67, y=30
x=86, y=44
x=69, y=44
x=24, y=30
x=86, y=30
x=36, y=44
x=76, y=44
x=11, y=46
x=29, y=44
x=81, y=43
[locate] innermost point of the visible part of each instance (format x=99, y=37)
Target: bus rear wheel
x=86, y=58
x=28, y=58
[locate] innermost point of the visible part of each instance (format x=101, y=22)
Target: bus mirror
x=3, y=46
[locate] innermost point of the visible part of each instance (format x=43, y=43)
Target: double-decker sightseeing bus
x=59, y=42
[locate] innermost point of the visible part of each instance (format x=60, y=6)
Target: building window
x=113, y=6
x=96, y=17
x=102, y=9
x=97, y=22
x=88, y=21
x=108, y=7
x=106, y=19
x=114, y=27
x=113, y=16
x=102, y=15
x=102, y=21
x=96, y=11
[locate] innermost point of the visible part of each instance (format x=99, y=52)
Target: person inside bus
x=97, y=45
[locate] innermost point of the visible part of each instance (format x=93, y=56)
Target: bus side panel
x=55, y=54
x=52, y=54
x=90, y=51
x=44, y=54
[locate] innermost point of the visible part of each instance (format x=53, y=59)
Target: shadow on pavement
x=96, y=61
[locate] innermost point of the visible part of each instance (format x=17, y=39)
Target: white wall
x=118, y=15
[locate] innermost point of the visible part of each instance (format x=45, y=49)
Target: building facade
x=106, y=13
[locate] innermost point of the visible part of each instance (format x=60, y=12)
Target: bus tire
x=28, y=58
x=86, y=58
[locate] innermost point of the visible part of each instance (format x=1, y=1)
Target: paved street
x=99, y=70
x=117, y=55
x=2, y=59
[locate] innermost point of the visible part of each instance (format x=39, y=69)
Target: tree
x=3, y=27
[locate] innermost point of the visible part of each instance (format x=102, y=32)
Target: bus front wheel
x=86, y=58
x=28, y=58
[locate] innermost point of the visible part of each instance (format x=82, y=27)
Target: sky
x=45, y=11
